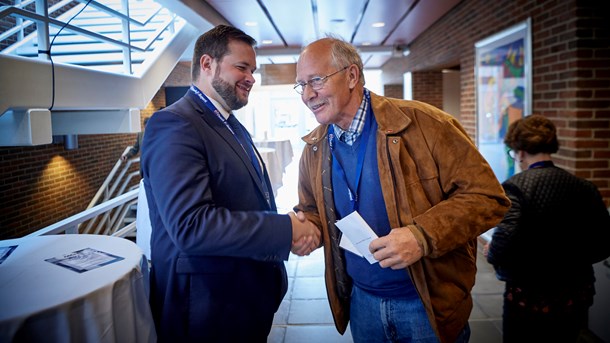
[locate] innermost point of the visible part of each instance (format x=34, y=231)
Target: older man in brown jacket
x=435, y=191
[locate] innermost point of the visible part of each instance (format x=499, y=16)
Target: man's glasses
x=316, y=83
x=511, y=153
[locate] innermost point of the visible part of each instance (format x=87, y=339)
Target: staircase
x=107, y=60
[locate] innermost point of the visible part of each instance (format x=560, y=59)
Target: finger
x=383, y=253
x=298, y=251
x=376, y=244
x=301, y=216
x=393, y=263
x=301, y=251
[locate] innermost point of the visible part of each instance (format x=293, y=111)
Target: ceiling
x=282, y=27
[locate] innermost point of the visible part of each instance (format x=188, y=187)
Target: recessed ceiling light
x=267, y=41
x=366, y=43
x=251, y=23
x=379, y=24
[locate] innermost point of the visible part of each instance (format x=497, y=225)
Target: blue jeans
x=376, y=319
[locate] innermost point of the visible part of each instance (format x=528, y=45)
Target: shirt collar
x=225, y=113
x=355, y=129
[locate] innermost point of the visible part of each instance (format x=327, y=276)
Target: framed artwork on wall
x=503, y=74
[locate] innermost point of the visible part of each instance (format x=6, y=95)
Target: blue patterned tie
x=245, y=142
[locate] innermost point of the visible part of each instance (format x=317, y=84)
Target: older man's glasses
x=316, y=83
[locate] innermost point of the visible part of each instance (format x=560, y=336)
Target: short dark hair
x=215, y=43
x=533, y=134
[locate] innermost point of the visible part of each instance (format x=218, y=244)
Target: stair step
x=71, y=38
x=105, y=29
x=109, y=20
x=78, y=49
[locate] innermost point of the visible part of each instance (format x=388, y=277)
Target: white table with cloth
x=283, y=149
x=277, y=155
x=74, y=288
x=274, y=167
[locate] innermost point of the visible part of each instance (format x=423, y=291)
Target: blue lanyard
x=204, y=99
x=364, y=138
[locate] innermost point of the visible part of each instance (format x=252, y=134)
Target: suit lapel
x=219, y=127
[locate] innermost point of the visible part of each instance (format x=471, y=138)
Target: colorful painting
x=503, y=91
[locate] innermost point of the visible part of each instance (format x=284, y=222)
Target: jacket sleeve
x=463, y=196
x=307, y=182
x=500, y=249
x=203, y=198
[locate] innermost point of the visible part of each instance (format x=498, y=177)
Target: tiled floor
x=304, y=315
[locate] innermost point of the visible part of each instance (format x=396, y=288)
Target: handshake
x=305, y=235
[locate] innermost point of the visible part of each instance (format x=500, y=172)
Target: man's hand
x=305, y=235
x=397, y=250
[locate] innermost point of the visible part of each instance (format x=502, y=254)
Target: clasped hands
x=305, y=235
x=397, y=250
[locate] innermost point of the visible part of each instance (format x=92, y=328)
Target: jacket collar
x=391, y=123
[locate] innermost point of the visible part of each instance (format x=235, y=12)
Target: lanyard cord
x=364, y=138
x=204, y=99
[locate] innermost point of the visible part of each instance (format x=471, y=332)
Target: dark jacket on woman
x=556, y=228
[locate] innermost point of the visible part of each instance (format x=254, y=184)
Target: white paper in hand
x=357, y=235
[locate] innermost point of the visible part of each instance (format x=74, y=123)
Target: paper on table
x=357, y=235
x=84, y=260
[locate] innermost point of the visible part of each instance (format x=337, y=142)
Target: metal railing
x=115, y=184
x=70, y=224
x=41, y=17
x=106, y=212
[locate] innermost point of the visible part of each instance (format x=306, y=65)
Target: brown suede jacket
x=434, y=183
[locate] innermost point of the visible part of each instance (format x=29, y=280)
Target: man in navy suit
x=218, y=244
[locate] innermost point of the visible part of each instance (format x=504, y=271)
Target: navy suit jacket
x=217, y=245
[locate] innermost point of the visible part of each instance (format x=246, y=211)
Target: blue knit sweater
x=370, y=277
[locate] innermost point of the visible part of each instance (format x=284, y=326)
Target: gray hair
x=343, y=54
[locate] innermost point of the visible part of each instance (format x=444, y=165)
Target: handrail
x=29, y=23
x=111, y=220
x=153, y=37
x=106, y=182
x=125, y=231
x=17, y=12
x=70, y=224
x=25, y=3
x=107, y=190
x=112, y=11
x=43, y=20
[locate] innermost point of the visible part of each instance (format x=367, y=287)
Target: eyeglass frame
x=320, y=81
x=511, y=153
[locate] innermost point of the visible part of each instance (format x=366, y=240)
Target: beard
x=227, y=92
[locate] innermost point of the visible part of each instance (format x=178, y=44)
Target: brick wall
x=180, y=76
x=393, y=91
x=571, y=71
x=428, y=87
x=42, y=185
